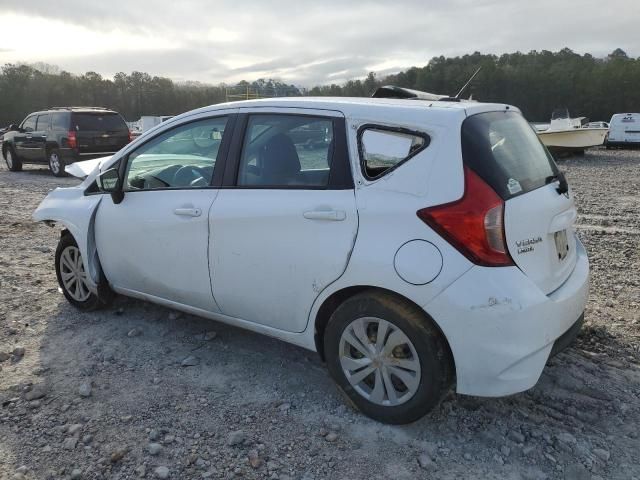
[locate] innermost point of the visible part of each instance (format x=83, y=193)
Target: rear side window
x=383, y=148
x=60, y=121
x=283, y=151
x=43, y=122
x=101, y=122
x=503, y=149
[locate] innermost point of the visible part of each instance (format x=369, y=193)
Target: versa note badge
x=526, y=246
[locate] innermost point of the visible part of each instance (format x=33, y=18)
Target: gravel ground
x=106, y=395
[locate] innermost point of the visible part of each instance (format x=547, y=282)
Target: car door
x=155, y=242
x=22, y=139
x=38, y=140
x=285, y=224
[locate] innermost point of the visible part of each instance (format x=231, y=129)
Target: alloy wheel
x=73, y=275
x=379, y=361
x=54, y=162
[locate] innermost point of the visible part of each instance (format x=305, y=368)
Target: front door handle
x=331, y=215
x=188, y=212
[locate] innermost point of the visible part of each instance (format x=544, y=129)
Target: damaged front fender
x=76, y=211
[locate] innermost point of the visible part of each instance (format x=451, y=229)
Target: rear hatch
x=506, y=153
x=99, y=131
x=631, y=127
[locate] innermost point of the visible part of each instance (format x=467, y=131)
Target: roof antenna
x=464, y=87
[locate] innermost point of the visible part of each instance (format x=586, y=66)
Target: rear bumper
x=502, y=328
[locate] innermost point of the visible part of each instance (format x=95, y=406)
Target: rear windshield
x=503, y=149
x=98, y=122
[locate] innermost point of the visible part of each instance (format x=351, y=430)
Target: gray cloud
x=333, y=40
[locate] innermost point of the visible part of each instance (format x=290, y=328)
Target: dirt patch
x=109, y=394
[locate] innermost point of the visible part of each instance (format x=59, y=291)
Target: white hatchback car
x=414, y=245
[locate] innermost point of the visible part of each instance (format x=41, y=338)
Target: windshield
x=102, y=122
x=503, y=149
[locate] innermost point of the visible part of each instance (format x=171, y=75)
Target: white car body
x=500, y=323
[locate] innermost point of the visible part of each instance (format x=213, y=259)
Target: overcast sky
x=301, y=42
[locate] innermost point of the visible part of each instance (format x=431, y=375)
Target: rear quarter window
x=98, y=122
x=383, y=149
x=503, y=149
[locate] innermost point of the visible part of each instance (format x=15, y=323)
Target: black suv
x=63, y=135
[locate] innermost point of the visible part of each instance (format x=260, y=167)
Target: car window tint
x=59, y=121
x=286, y=151
x=29, y=125
x=43, y=122
x=506, y=153
x=183, y=157
x=100, y=122
x=382, y=149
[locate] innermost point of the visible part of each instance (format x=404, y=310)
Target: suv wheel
x=72, y=277
x=56, y=164
x=13, y=162
x=387, y=357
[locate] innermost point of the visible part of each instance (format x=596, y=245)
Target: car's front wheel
x=56, y=164
x=12, y=160
x=72, y=276
x=387, y=357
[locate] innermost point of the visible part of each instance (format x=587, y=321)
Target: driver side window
x=29, y=125
x=183, y=157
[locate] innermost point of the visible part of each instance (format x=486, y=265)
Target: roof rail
x=79, y=107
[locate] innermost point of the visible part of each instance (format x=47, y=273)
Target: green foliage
x=536, y=82
x=28, y=88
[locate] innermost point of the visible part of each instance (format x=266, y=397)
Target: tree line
x=536, y=82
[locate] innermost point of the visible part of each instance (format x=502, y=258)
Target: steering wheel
x=189, y=175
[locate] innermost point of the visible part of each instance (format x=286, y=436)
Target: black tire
x=92, y=301
x=436, y=364
x=14, y=164
x=56, y=163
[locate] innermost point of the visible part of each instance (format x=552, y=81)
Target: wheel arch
x=331, y=303
x=51, y=145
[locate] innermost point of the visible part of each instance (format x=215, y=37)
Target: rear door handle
x=188, y=212
x=331, y=215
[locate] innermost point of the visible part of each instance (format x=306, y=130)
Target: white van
x=624, y=130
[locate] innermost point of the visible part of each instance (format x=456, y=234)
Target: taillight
x=474, y=224
x=72, y=140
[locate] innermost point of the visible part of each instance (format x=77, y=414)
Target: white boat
x=566, y=133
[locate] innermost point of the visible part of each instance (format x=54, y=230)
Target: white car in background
x=415, y=245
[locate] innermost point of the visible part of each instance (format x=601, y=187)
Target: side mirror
x=109, y=182
x=14, y=128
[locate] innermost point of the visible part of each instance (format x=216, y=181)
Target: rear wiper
x=563, y=186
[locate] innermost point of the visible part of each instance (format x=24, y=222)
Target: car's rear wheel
x=72, y=276
x=386, y=355
x=56, y=164
x=12, y=160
